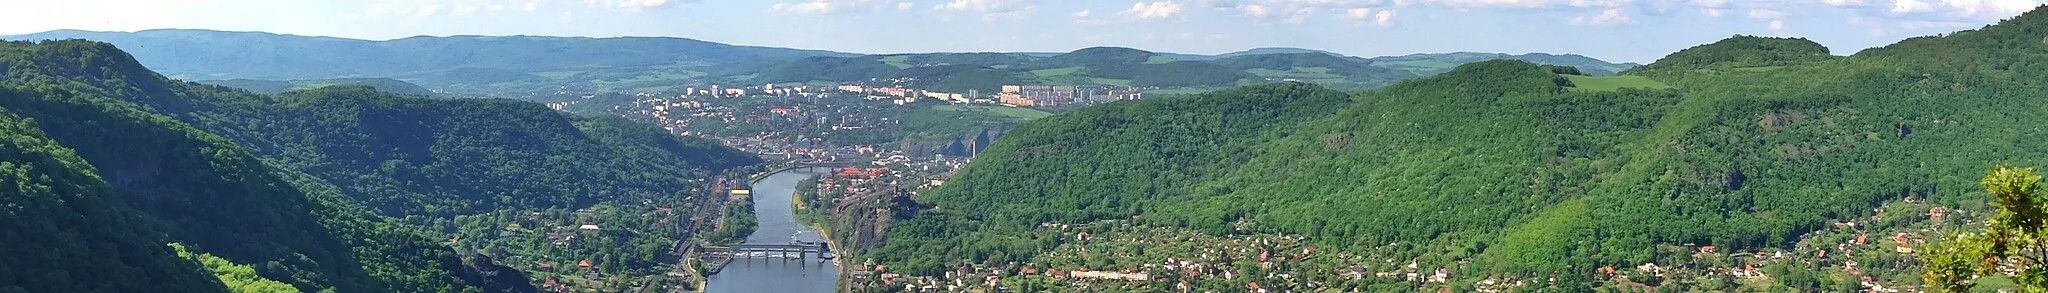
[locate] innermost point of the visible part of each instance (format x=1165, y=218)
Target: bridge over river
x=800, y=249
x=808, y=272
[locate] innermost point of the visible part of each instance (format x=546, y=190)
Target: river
x=777, y=225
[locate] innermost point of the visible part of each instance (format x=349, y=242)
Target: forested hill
x=193, y=188
x=1506, y=168
x=406, y=155
x=50, y=193
x=291, y=185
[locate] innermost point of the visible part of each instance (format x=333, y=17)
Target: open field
x=1609, y=83
x=1014, y=112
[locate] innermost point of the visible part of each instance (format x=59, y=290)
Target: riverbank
x=810, y=219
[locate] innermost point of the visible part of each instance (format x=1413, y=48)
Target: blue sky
x=1616, y=30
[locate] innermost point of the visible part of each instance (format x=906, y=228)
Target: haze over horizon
x=1613, y=30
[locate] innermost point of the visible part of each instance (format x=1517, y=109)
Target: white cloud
x=633, y=5
x=460, y=8
x=567, y=17
x=1909, y=6
x=1381, y=17
x=1085, y=17
x=1254, y=10
x=1358, y=13
x=1842, y=3
x=813, y=7
x=1613, y=11
x=1525, y=3
x=1606, y=17
x=1766, y=14
x=991, y=9
x=429, y=10
x=836, y=6
x=1777, y=25
x=1879, y=12
x=1153, y=10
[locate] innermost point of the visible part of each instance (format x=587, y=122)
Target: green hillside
x=293, y=185
x=1500, y=169
x=49, y=193
x=1095, y=56
x=205, y=192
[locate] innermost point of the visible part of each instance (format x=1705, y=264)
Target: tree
x=2011, y=238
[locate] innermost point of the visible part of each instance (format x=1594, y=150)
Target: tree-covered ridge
x=267, y=180
x=65, y=228
x=205, y=192
x=829, y=69
x=406, y=155
x=1104, y=162
x=1354, y=70
x=1094, y=56
x=1337, y=64
x=1433, y=63
x=1170, y=74
x=986, y=59
x=1742, y=51
x=413, y=156
x=272, y=87
x=1494, y=169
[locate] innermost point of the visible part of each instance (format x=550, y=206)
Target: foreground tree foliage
x=2012, y=243
x=65, y=229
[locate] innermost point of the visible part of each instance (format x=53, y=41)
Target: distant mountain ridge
x=1119, y=66
x=1420, y=63
x=207, y=54
x=650, y=64
x=272, y=87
